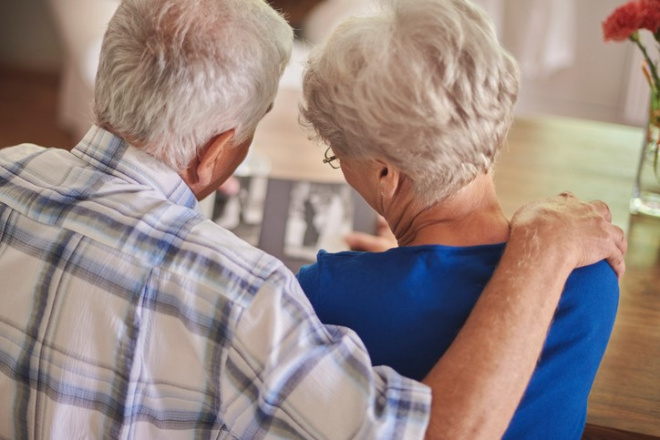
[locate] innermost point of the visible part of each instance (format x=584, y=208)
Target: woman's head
x=175, y=73
x=424, y=85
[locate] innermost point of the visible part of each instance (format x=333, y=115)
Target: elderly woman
x=414, y=105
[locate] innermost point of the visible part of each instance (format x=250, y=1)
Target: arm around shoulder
x=479, y=382
x=286, y=371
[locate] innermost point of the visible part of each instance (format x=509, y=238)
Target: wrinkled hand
x=582, y=231
x=382, y=241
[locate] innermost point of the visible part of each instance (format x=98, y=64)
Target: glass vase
x=646, y=191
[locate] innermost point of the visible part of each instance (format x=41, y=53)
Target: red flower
x=625, y=20
x=624, y=24
x=650, y=15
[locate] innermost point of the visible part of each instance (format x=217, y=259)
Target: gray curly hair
x=174, y=73
x=425, y=85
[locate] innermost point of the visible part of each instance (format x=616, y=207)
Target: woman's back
x=409, y=303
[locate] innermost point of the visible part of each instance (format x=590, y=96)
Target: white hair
x=174, y=73
x=424, y=84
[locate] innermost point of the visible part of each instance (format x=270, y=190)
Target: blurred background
x=48, y=51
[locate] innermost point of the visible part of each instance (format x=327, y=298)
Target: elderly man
x=126, y=314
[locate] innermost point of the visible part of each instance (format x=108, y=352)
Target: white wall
x=595, y=86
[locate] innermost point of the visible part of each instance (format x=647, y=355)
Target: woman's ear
x=389, y=179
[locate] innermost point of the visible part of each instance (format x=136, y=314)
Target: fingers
x=618, y=264
x=359, y=241
x=603, y=209
x=381, y=223
x=616, y=259
x=617, y=256
x=622, y=242
x=382, y=241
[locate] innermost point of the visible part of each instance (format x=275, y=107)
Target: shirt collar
x=114, y=155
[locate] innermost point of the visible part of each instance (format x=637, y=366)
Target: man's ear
x=209, y=156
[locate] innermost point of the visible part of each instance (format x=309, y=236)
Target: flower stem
x=651, y=64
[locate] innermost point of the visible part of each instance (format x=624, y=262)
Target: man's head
x=175, y=74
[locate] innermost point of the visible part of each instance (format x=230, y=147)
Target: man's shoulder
x=207, y=237
x=18, y=152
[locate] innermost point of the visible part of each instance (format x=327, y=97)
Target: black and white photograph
x=319, y=217
x=243, y=212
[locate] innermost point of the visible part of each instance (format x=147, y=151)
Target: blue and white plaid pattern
x=125, y=314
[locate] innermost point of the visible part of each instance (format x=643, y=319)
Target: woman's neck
x=470, y=217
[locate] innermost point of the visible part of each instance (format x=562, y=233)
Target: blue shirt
x=409, y=303
x=124, y=313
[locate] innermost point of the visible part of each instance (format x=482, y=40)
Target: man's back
x=126, y=314
x=106, y=255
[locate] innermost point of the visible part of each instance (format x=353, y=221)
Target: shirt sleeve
x=289, y=376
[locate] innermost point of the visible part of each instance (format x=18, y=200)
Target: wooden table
x=546, y=156
x=598, y=161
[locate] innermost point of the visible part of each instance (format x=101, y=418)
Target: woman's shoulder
x=402, y=259
x=399, y=268
x=595, y=277
x=591, y=294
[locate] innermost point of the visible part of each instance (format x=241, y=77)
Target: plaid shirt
x=126, y=314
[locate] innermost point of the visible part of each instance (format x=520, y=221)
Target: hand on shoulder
x=581, y=232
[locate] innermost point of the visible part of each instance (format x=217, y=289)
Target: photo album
x=293, y=219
